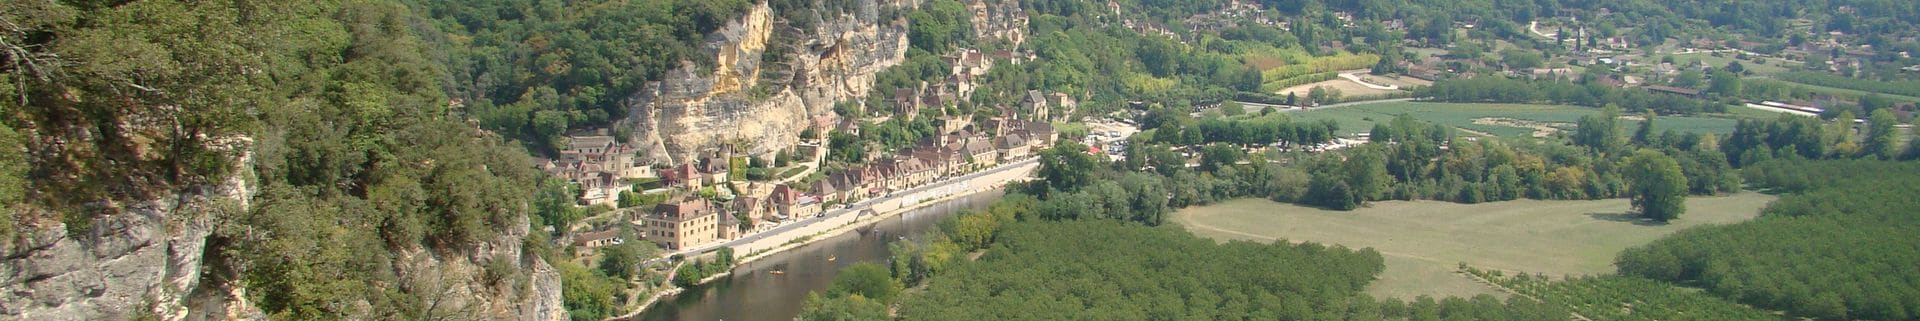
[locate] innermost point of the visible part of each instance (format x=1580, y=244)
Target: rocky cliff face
x=691, y=113
x=150, y=260
x=144, y=261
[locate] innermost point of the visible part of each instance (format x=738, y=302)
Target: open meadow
x=1425, y=241
x=1504, y=120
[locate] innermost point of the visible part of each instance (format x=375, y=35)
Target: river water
x=754, y=294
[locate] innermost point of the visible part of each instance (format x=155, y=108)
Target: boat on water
x=777, y=272
x=833, y=258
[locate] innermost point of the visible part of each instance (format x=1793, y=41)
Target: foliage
x=847, y=308
x=1095, y=269
x=534, y=71
x=866, y=279
x=1588, y=93
x=1067, y=166
x=1903, y=88
x=622, y=261
x=1626, y=298
x=587, y=294
x=1836, y=248
x=1656, y=186
x=692, y=271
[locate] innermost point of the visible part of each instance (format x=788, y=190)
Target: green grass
x=1360, y=119
x=1771, y=67
x=790, y=172
x=1425, y=241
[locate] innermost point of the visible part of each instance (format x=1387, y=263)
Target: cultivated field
x=1425, y=241
x=1504, y=120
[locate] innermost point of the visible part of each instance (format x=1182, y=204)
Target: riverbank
x=859, y=215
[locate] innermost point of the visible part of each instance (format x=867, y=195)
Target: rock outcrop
x=150, y=260
x=143, y=261
x=692, y=112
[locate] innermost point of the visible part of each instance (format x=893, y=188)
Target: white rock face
x=688, y=113
x=143, y=261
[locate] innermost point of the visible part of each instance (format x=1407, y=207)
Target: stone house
x=600, y=165
x=683, y=176
x=1065, y=104
x=1036, y=104
x=794, y=204
x=681, y=224
x=982, y=152
x=1012, y=147
x=594, y=240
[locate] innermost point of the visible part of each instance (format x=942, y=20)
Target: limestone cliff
x=151, y=259
x=144, y=261
x=693, y=112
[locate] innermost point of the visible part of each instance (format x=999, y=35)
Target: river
x=754, y=294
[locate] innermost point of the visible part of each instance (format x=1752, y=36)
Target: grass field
x=1425, y=241
x=1360, y=119
x=1772, y=66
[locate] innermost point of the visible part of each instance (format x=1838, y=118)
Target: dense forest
x=1839, y=246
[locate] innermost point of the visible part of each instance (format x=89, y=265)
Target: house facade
x=681, y=224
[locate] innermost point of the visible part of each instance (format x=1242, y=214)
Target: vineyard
x=1625, y=298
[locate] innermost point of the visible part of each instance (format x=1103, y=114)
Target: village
x=688, y=207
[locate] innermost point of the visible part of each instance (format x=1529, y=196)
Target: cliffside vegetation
x=357, y=166
x=533, y=70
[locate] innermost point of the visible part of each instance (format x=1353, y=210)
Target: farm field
x=1425, y=241
x=1841, y=92
x=1504, y=120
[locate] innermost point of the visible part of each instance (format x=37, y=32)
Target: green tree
x=1600, y=132
x=1521, y=59
x=1644, y=135
x=622, y=260
x=866, y=279
x=1725, y=83
x=1067, y=166
x=1231, y=108
x=847, y=308
x=1657, y=187
x=1881, y=135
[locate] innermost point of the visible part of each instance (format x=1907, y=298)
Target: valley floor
x=1425, y=241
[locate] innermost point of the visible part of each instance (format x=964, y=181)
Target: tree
x=1644, y=136
x=622, y=260
x=1881, y=135
x=1725, y=83
x=1231, y=108
x=848, y=308
x=1520, y=59
x=866, y=279
x=1218, y=155
x=1601, y=133
x=1657, y=187
x=1067, y=166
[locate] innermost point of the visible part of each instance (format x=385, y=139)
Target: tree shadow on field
x=1628, y=217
